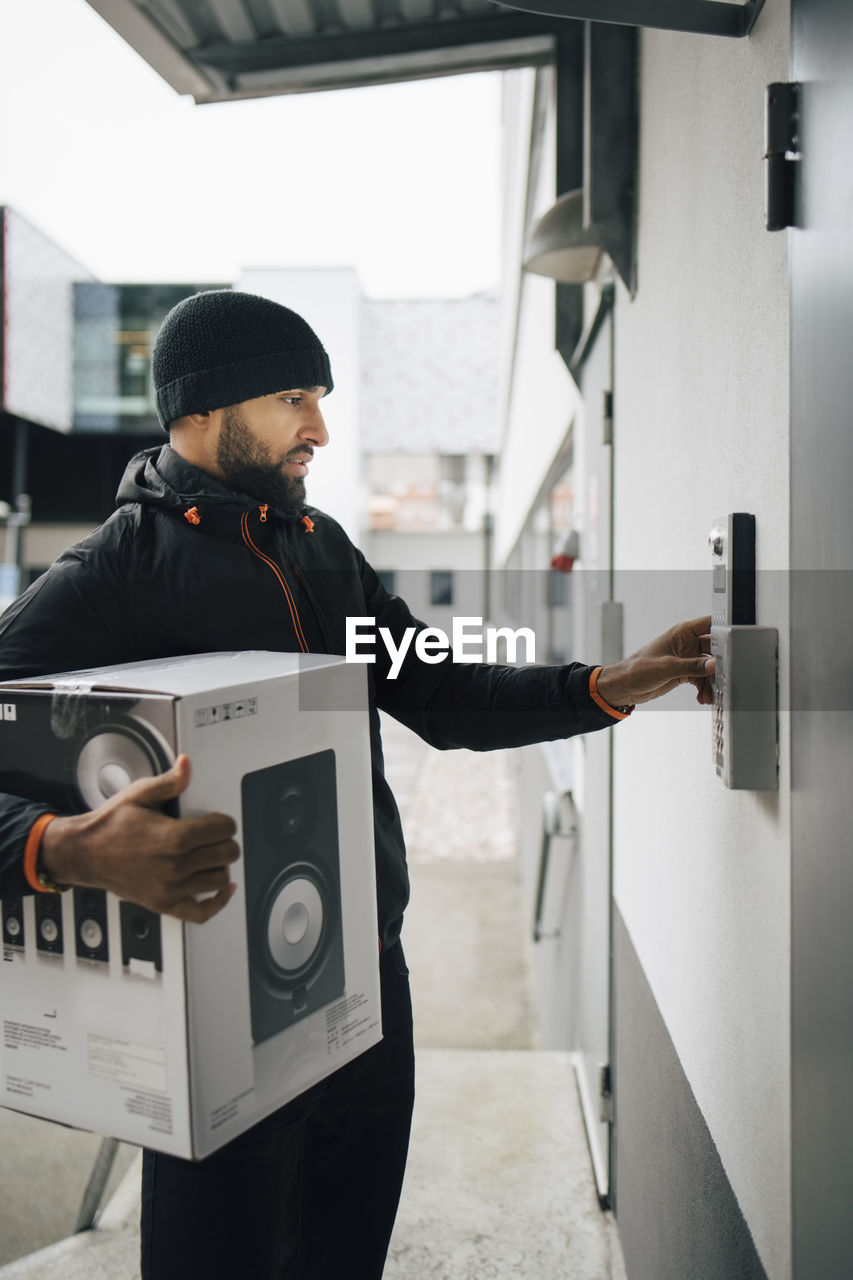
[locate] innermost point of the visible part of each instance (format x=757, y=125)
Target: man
x=212, y=548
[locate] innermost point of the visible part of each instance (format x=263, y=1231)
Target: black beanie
x=222, y=347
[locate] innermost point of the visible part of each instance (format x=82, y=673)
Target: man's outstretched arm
x=679, y=656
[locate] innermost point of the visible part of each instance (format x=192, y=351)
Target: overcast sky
x=400, y=182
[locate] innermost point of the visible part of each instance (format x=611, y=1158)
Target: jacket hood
x=160, y=477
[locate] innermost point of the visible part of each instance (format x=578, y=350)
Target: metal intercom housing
x=745, y=731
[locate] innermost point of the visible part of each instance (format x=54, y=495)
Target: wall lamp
x=560, y=246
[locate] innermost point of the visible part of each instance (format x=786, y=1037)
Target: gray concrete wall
x=701, y=422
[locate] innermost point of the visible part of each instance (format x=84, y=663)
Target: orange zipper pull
x=309, y=524
x=264, y=509
x=192, y=515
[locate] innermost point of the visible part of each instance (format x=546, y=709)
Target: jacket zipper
x=318, y=612
x=291, y=603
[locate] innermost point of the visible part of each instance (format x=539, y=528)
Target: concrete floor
x=44, y=1170
x=499, y=1183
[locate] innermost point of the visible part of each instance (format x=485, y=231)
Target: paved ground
x=499, y=1184
x=463, y=934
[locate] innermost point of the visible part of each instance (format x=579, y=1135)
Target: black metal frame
x=589, y=335
x=611, y=153
x=287, y=53
x=703, y=17
x=597, y=149
x=569, y=63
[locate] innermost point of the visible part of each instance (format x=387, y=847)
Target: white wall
x=44, y=543
x=539, y=396
x=38, y=324
x=702, y=873
x=330, y=300
x=701, y=424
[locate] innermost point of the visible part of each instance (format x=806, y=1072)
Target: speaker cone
x=140, y=935
x=115, y=755
x=295, y=924
x=49, y=923
x=292, y=808
x=13, y=922
x=90, y=922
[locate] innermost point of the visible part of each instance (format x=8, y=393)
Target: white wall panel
x=702, y=873
x=537, y=391
x=38, y=317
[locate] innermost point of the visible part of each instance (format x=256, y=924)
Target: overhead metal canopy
x=704, y=17
x=220, y=50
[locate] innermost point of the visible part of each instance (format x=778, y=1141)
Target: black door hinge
x=605, y=1094
x=782, y=154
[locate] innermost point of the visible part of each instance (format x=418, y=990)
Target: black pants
x=311, y=1192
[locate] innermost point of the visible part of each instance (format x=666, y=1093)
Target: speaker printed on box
x=73, y=752
x=293, y=891
x=77, y=752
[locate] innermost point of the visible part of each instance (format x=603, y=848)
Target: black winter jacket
x=186, y=566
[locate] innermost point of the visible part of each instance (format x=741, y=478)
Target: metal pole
x=488, y=525
x=92, y=1196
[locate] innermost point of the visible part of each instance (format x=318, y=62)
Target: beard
x=247, y=466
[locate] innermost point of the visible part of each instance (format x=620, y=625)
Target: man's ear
x=194, y=437
x=191, y=427
x=199, y=421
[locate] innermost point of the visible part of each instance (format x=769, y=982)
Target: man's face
x=265, y=445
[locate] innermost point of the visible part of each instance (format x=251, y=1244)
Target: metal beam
x=152, y=44
x=704, y=17
x=610, y=177
x=282, y=53
x=568, y=298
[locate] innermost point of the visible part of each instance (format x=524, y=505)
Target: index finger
x=698, y=626
x=209, y=828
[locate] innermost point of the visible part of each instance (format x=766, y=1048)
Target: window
x=114, y=331
x=441, y=586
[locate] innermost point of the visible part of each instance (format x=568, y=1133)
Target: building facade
x=410, y=484
x=681, y=922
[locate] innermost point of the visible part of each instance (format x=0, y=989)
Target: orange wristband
x=618, y=713
x=35, y=876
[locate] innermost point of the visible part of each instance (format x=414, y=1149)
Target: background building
x=413, y=417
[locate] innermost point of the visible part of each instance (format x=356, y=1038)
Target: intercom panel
x=732, y=545
x=744, y=721
x=745, y=734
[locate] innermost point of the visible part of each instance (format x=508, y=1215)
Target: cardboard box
x=179, y=1036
